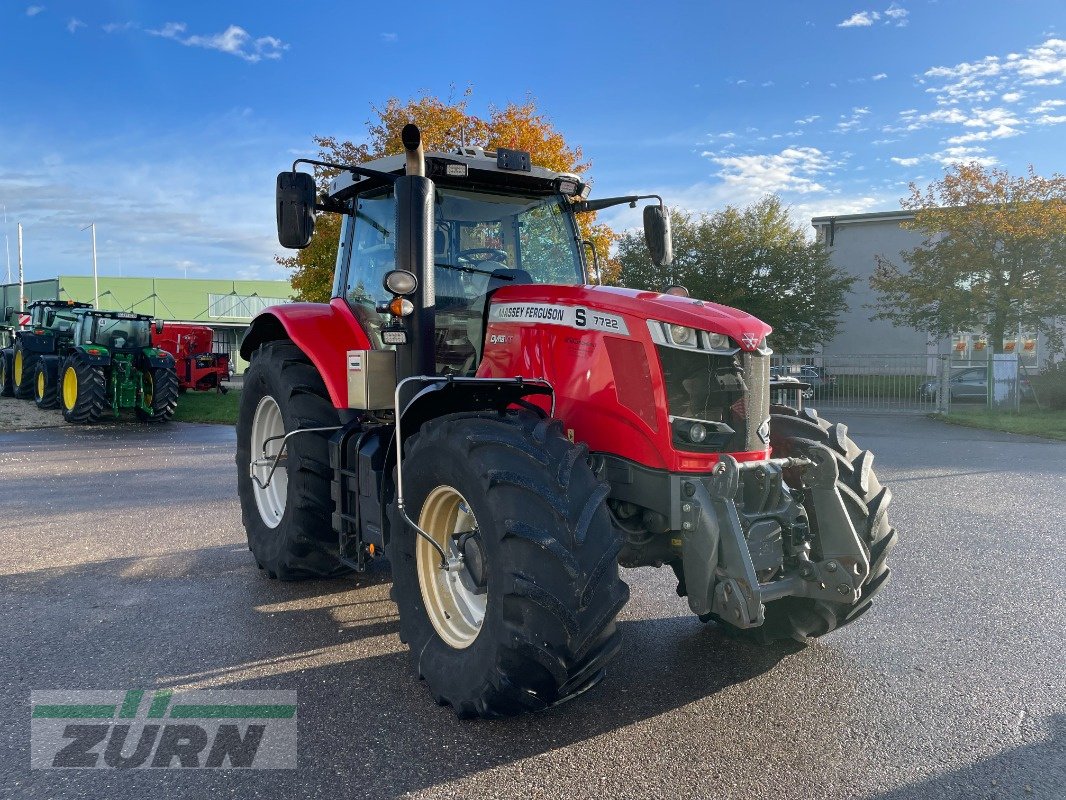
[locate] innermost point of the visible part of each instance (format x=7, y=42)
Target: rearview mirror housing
x=159, y=326
x=657, y=235
x=295, y=200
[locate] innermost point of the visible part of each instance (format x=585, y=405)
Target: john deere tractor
x=49, y=333
x=509, y=433
x=109, y=366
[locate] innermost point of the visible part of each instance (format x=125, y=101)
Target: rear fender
x=325, y=333
x=37, y=342
x=95, y=354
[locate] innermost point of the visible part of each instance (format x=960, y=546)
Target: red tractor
x=509, y=434
x=198, y=368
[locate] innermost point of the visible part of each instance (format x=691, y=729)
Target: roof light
x=401, y=282
x=456, y=170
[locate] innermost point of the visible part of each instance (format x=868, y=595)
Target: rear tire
x=7, y=385
x=24, y=365
x=792, y=433
x=160, y=394
x=45, y=383
x=82, y=391
x=290, y=530
x=550, y=578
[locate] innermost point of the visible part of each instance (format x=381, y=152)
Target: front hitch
x=720, y=576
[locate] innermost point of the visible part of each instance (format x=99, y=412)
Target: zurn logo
x=137, y=729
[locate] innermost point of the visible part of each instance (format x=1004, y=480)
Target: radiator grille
x=716, y=388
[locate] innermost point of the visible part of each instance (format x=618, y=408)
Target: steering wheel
x=494, y=253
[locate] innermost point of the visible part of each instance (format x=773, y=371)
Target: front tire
x=24, y=365
x=160, y=386
x=83, y=391
x=289, y=521
x=45, y=383
x=533, y=618
x=7, y=384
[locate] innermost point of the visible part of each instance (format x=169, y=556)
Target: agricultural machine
x=197, y=367
x=49, y=332
x=7, y=337
x=108, y=365
x=509, y=434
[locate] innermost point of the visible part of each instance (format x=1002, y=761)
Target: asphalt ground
x=123, y=565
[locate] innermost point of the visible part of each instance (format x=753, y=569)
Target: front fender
x=325, y=333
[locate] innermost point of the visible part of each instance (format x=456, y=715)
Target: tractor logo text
x=135, y=729
x=577, y=317
x=500, y=338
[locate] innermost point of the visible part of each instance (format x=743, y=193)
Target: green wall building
x=225, y=306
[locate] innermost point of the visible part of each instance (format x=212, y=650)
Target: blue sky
x=166, y=123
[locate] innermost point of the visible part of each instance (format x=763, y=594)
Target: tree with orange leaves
x=994, y=256
x=445, y=125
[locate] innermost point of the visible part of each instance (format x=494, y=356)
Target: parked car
x=967, y=384
x=818, y=378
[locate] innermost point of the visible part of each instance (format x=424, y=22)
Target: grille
x=717, y=388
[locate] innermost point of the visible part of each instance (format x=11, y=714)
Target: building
x=225, y=306
x=854, y=241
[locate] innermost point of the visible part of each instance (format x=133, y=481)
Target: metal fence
x=909, y=384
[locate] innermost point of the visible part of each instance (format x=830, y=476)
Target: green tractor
x=49, y=333
x=7, y=336
x=110, y=365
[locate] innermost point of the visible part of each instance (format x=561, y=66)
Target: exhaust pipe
x=411, y=137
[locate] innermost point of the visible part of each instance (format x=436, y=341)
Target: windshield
x=481, y=242
x=119, y=334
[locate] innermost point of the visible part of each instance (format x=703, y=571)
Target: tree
x=445, y=125
x=755, y=259
x=994, y=256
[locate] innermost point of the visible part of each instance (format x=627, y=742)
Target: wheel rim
x=40, y=385
x=454, y=609
x=70, y=388
x=18, y=366
x=266, y=424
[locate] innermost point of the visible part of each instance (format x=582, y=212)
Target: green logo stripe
x=232, y=712
x=131, y=703
x=73, y=712
x=159, y=704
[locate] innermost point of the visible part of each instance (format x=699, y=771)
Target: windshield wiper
x=474, y=270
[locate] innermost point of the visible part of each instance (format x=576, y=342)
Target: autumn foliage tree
x=994, y=256
x=445, y=125
x=754, y=258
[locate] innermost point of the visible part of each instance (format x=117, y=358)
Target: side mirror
x=159, y=326
x=295, y=200
x=657, y=235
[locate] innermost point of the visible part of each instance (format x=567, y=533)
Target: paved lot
x=122, y=565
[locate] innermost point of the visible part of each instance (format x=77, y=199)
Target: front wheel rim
x=40, y=385
x=18, y=367
x=454, y=609
x=270, y=498
x=70, y=388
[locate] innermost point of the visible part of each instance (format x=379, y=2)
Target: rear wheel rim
x=18, y=367
x=40, y=385
x=270, y=499
x=70, y=388
x=454, y=609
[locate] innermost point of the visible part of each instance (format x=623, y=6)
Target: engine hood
x=740, y=326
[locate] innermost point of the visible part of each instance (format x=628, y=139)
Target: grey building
x=854, y=241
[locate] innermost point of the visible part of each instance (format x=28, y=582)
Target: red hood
x=703, y=315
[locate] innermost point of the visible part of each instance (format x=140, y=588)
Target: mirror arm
x=607, y=202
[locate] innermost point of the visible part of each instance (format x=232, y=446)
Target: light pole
x=7, y=247
x=22, y=284
x=96, y=281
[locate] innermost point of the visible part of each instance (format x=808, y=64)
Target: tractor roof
x=468, y=167
x=59, y=304
x=116, y=314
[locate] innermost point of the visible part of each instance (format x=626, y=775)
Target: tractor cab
x=496, y=222
x=57, y=315
x=118, y=331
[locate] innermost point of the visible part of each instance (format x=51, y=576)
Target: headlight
x=718, y=341
x=679, y=334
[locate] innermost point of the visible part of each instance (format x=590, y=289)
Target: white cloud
x=849, y=123
x=896, y=13
x=955, y=155
x=861, y=19
x=1050, y=119
x=794, y=169
x=73, y=24
x=880, y=76
x=1046, y=105
x=389, y=38
x=234, y=40
x=33, y=11
x=807, y=120
x=727, y=135
x=118, y=27
x=905, y=162
x=1012, y=97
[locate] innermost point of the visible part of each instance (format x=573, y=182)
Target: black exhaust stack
x=414, y=252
